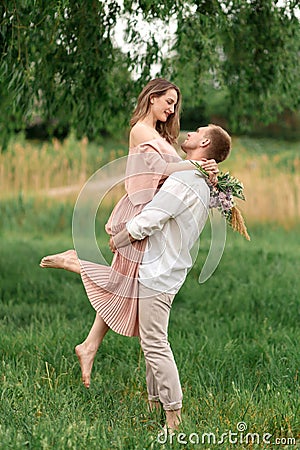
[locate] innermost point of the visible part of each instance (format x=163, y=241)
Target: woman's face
x=162, y=107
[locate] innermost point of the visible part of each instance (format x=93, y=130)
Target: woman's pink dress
x=113, y=290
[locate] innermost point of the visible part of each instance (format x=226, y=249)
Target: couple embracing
x=152, y=231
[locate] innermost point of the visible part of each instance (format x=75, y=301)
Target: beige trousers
x=161, y=371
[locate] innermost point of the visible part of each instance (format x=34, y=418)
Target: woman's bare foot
x=86, y=359
x=66, y=260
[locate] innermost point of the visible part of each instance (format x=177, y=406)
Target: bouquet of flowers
x=221, y=197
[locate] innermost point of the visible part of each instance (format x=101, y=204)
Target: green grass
x=235, y=339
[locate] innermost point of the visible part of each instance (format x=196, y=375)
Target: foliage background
x=235, y=61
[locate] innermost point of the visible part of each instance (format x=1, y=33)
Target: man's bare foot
x=86, y=359
x=173, y=420
x=66, y=260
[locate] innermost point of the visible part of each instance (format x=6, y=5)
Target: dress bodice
x=146, y=168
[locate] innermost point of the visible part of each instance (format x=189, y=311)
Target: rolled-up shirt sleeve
x=170, y=201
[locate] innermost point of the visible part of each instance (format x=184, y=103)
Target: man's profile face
x=194, y=139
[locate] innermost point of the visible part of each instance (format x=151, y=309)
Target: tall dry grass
x=55, y=168
x=271, y=199
x=27, y=168
x=270, y=175
x=271, y=182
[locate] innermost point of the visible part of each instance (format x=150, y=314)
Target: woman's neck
x=149, y=121
x=149, y=125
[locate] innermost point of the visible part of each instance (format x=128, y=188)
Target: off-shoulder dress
x=113, y=290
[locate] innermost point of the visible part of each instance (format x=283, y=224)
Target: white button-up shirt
x=173, y=220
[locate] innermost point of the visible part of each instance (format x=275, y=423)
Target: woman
x=113, y=291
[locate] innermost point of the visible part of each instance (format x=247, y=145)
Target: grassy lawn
x=235, y=339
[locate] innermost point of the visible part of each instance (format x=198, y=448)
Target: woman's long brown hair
x=158, y=87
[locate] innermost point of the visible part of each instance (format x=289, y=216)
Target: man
x=172, y=221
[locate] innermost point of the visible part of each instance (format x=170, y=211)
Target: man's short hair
x=220, y=145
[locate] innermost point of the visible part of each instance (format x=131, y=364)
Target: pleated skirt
x=113, y=290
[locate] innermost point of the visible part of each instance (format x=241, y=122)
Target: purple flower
x=227, y=205
x=214, y=199
x=221, y=200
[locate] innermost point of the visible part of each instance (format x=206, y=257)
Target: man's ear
x=205, y=142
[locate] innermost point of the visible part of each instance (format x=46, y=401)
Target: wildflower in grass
x=221, y=197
